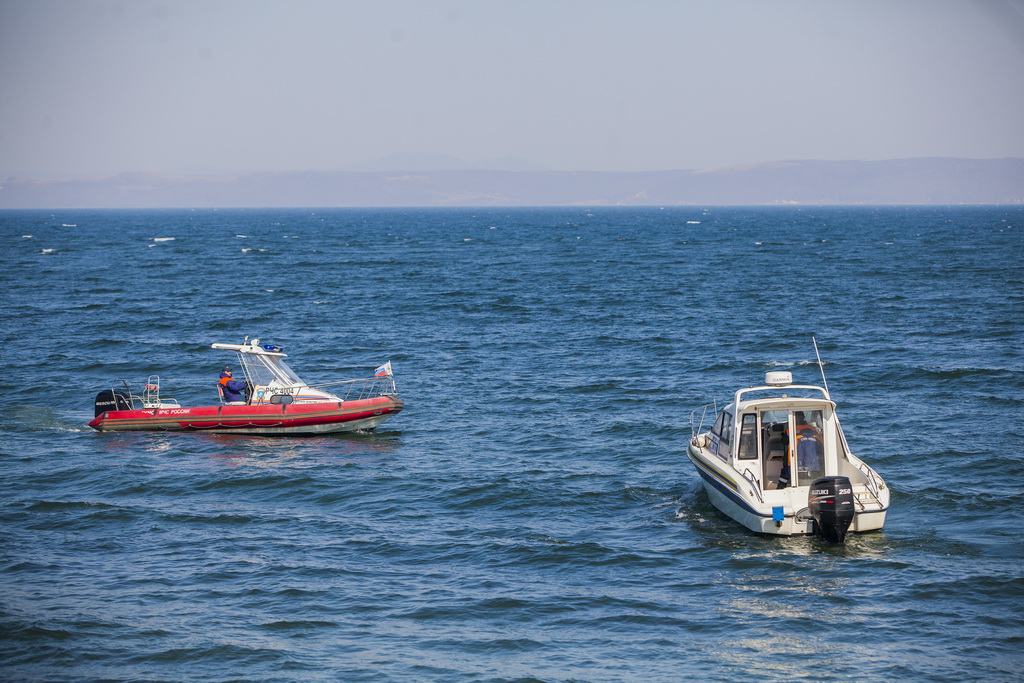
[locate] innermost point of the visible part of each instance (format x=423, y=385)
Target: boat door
x=773, y=432
x=792, y=446
x=807, y=446
x=748, y=447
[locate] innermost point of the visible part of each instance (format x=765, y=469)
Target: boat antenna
x=820, y=366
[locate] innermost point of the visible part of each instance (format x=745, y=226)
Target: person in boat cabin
x=804, y=426
x=808, y=442
x=232, y=390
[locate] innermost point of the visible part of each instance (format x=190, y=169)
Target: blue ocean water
x=531, y=515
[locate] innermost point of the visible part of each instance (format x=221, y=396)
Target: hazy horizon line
x=516, y=165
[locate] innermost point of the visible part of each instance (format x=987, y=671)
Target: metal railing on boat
x=150, y=397
x=870, y=489
x=358, y=389
x=698, y=426
x=754, y=482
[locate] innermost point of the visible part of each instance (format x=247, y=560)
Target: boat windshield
x=263, y=370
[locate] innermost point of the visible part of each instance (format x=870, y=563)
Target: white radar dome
x=778, y=378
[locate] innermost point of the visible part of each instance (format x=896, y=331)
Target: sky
x=92, y=88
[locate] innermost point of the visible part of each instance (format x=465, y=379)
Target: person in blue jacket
x=233, y=391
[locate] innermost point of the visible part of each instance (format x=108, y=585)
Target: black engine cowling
x=112, y=399
x=831, y=503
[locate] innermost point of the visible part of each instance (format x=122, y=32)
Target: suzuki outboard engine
x=112, y=399
x=831, y=504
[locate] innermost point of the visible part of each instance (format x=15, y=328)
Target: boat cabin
x=269, y=377
x=779, y=441
x=270, y=380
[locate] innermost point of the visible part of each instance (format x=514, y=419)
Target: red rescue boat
x=275, y=401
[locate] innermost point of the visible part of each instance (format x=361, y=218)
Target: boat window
x=717, y=429
x=747, y=448
x=286, y=371
x=264, y=369
x=725, y=449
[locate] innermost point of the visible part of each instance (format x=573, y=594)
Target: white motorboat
x=776, y=461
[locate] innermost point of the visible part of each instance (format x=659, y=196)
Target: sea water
x=532, y=514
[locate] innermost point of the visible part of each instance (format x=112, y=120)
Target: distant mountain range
x=899, y=181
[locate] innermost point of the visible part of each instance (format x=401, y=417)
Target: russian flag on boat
x=383, y=371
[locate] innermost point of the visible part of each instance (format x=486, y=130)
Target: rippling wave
x=531, y=515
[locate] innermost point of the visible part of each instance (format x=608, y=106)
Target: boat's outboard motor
x=112, y=399
x=831, y=504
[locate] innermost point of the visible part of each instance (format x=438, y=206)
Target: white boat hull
x=868, y=521
x=735, y=497
x=756, y=522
